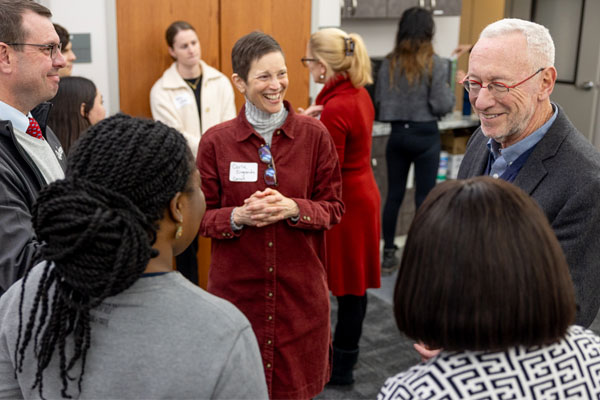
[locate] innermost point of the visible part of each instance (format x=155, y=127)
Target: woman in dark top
x=412, y=93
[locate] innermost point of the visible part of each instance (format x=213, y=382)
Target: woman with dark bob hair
x=76, y=106
x=103, y=315
x=484, y=278
x=273, y=186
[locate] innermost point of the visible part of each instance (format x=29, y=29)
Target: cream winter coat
x=172, y=102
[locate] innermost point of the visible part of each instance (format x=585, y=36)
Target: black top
x=197, y=84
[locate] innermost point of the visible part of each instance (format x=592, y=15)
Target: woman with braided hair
x=102, y=314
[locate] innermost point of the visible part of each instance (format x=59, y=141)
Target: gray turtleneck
x=263, y=122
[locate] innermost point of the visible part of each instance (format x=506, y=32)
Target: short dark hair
x=11, y=18
x=65, y=118
x=98, y=225
x=63, y=35
x=249, y=48
x=482, y=270
x=174, y=29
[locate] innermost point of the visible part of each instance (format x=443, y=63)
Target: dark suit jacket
x=20, y=182
x=563, y=175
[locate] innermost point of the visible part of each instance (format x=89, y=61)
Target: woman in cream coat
x=191, y=96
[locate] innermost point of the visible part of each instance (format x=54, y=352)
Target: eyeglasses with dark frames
x=264, y=153
x=50, y=48
x=496, y=89
x=306, y=60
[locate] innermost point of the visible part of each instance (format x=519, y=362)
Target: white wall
x=98, y=18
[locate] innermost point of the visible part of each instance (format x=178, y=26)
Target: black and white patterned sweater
x=569, y=369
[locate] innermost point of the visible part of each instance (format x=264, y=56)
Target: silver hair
x=539, y=41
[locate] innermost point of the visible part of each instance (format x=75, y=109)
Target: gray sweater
x=420, y=102
x=161, y=338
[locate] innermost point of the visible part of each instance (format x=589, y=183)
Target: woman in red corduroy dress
x=341, y=62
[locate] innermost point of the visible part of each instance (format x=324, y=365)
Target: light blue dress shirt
x=503, y=158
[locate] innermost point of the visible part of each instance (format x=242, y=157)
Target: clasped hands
x=264, y=208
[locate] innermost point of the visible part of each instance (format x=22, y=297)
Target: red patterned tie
x=34, y=129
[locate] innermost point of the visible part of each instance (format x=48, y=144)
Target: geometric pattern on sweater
x=569, y=369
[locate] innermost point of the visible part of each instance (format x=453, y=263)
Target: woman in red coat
x=341, y=62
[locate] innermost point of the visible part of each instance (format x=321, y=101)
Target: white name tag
x=243, y=171
x=183, y=100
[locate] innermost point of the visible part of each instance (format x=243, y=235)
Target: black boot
x=343, y=364
x=390, y=261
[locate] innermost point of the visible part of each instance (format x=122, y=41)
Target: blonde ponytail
x=342, y=53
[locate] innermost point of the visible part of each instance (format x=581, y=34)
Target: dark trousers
x=350, y=317
x=409, y=142
x=187, y=263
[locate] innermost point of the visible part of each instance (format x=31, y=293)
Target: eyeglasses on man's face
x=496, y=89
x=52, y=49
x=306, y=60
x=264, y=153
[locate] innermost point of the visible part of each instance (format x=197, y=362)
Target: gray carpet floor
x=384, y=352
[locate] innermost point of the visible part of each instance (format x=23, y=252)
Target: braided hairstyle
x=98, y=225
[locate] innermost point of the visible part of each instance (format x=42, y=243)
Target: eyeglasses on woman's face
x=307, y=60
x=264, y=153
x=496, y=89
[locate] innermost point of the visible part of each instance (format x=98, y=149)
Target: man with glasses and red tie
x=526, y=139
x=30, y=153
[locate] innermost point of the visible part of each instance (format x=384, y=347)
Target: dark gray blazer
x=563, y=175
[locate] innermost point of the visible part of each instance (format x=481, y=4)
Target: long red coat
x=276, y=274
x=353, y=245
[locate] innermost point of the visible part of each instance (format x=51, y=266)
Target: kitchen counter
x=451, y=121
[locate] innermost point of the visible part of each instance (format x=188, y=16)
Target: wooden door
x=288, y=21
x=143, y=55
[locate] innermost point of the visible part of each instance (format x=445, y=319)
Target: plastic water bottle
x=443, y=167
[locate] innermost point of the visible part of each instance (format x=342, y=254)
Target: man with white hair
x=528, y=140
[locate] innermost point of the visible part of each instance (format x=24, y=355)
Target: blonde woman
x=340, y=61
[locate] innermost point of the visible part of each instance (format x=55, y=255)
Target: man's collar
x=18, y=119
x=512, y=152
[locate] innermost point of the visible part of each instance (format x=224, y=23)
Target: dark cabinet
x=364, y=9
x=378, y=163
x=446, y=7
x=395, y=8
